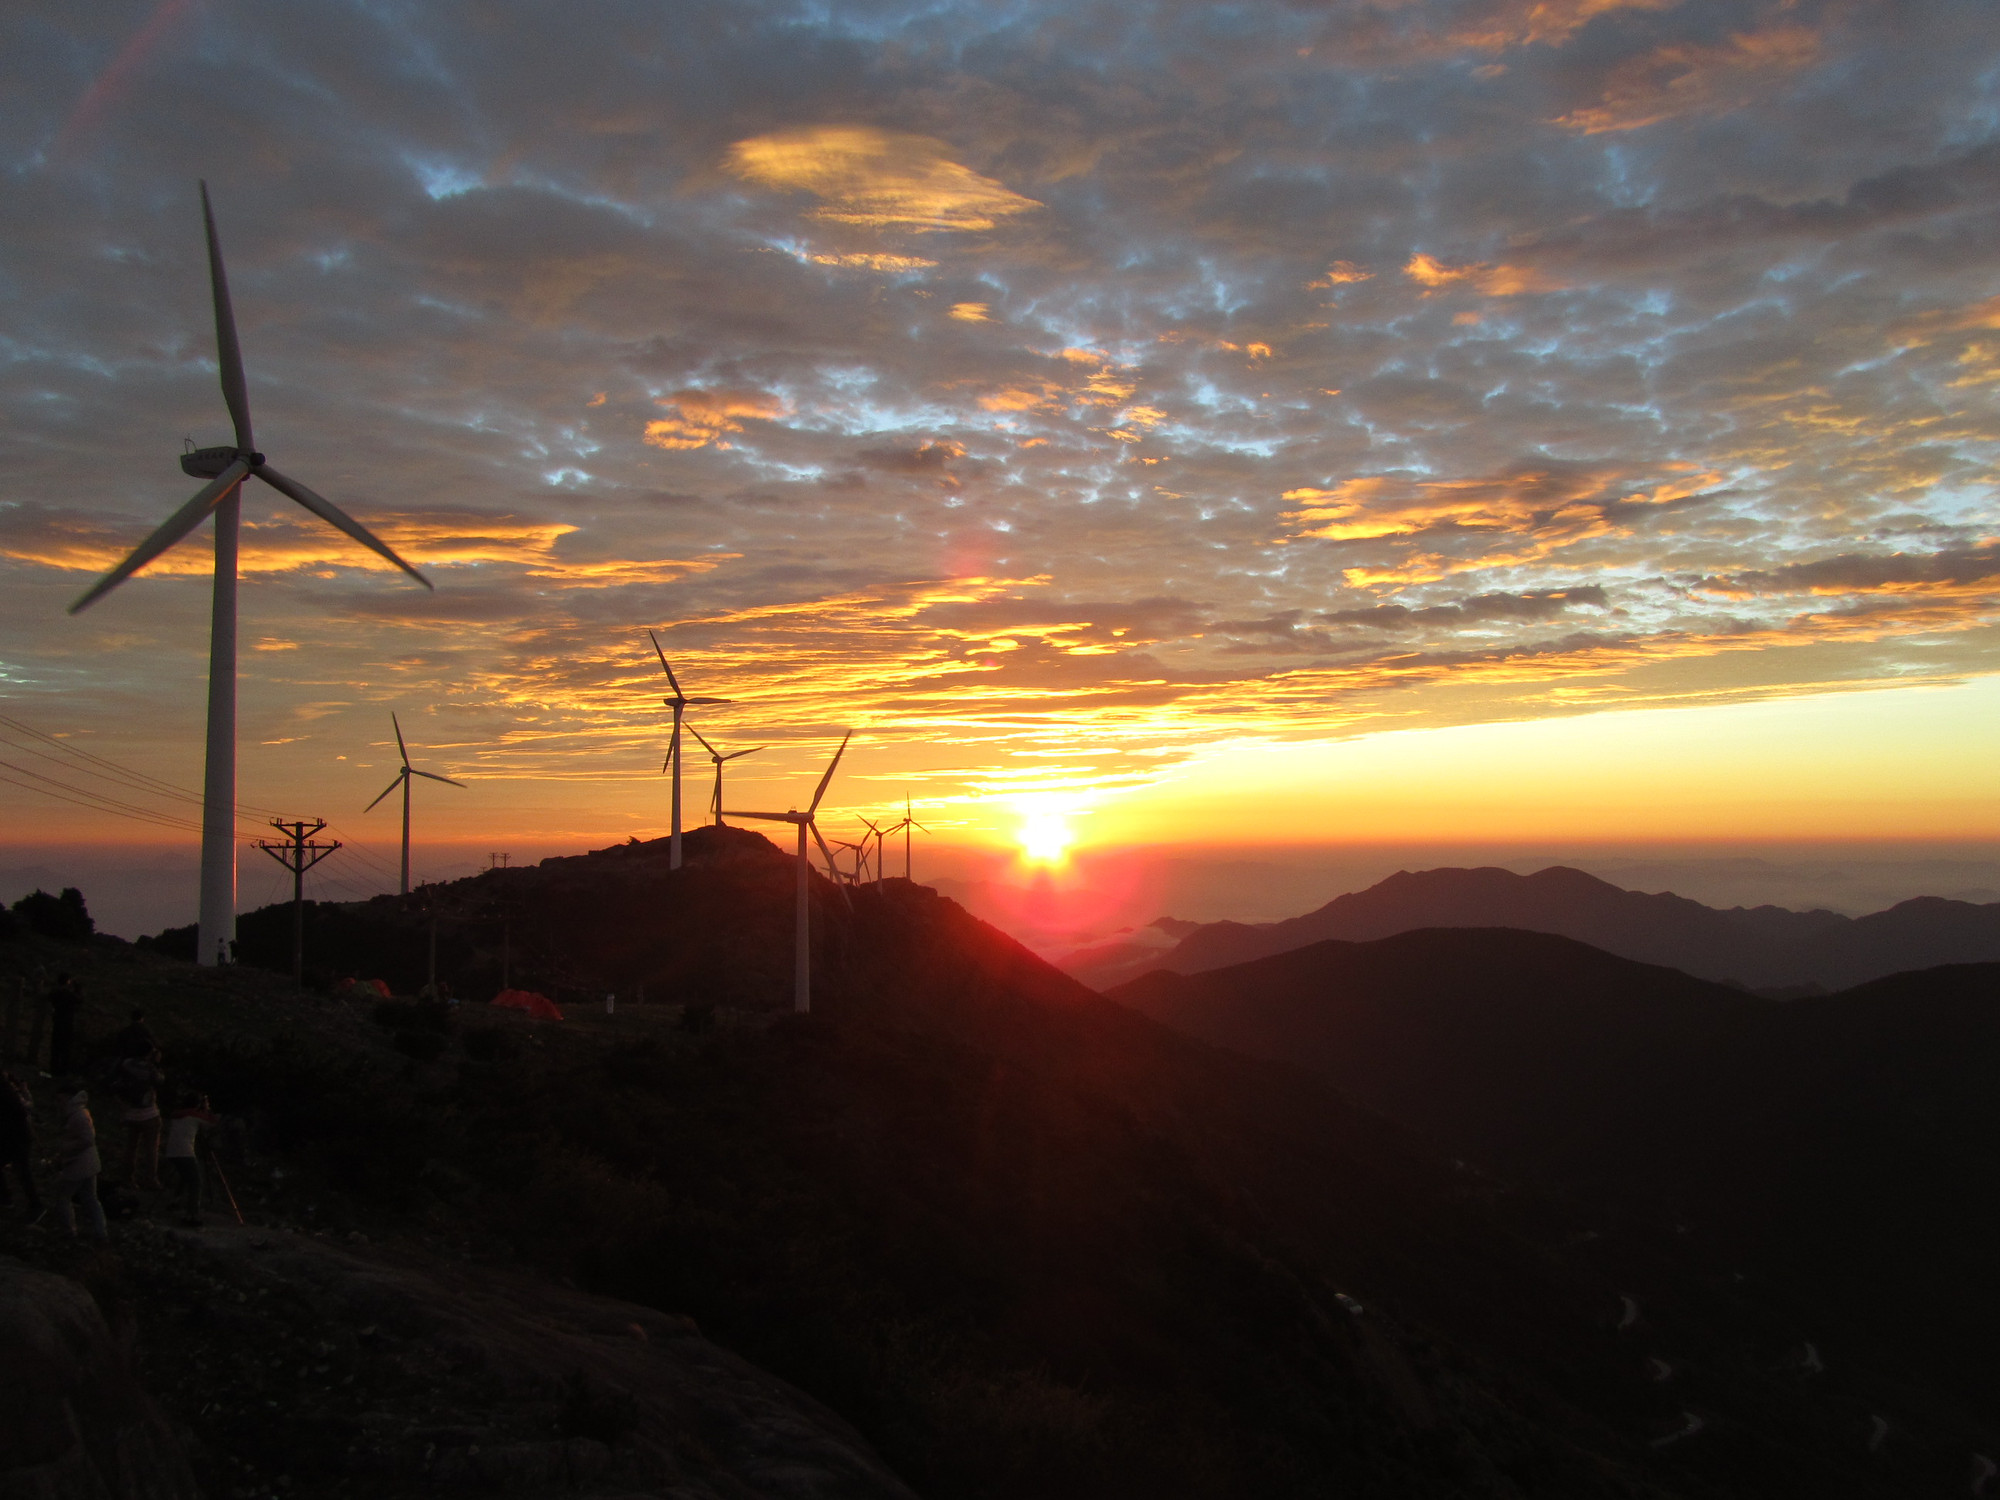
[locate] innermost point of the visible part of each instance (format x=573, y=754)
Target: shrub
x=413, y=1015
x=424, y=1046
x=63, y=917
x=490, y=1044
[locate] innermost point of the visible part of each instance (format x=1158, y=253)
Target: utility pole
x=497, y=861
x=298, y=854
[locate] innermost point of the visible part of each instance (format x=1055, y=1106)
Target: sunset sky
x=1277, y=423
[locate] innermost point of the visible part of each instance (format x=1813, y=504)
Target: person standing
x=17, y=1139
x=77, y=1164
x=137, y=1039
x=137, y=1085
x=183, y=1125
x=64, y=1001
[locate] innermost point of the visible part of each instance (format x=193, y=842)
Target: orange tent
x=534, y=1004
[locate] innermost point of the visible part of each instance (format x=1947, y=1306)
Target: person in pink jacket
x=77, y=1164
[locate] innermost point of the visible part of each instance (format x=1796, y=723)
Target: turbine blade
x=388, y=789
x=832, y=869
x=751, y=751
x=672, y=680
x=433, y=776
x=828, y=777
x=176, y=526
x=692, y=701
x=401, y=749
x=704, y=743
x=228, y=354
x=337, y=518
x=783, y=817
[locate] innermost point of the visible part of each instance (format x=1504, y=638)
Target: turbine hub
x=206, y=463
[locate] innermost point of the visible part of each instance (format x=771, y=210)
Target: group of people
x=137, y=1082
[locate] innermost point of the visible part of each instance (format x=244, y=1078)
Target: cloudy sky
x=1058, y=394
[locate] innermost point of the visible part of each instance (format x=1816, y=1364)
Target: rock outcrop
x=74, y=1422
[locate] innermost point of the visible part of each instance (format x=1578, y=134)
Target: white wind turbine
x=802, y=922
x=715, y=801
x=225, y=469
x=874, y=832
x=679, y=703
x=904, y=827
x=403, y=779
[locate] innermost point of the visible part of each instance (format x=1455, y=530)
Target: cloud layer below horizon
x=1049, y=391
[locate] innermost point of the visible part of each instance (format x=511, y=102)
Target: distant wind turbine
x=403, y=780
x=225, y=469
x=715, y=801
x=679, y=703
x=904, y=827
x=802, y=922
x=874, y=832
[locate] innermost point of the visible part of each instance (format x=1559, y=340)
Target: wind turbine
x=875, y=833
x=225, y=469
x=715, y=802
x=403, y=779
x=904, y=827
x=802, y=923
x=678, y=703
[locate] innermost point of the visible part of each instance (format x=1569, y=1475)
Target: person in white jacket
x=77, y=1165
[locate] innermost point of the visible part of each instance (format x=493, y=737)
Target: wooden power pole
x=298, y=854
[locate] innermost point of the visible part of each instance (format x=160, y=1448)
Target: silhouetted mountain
x=1842, y=1147
x=1764, y=947
x=1029, y=1242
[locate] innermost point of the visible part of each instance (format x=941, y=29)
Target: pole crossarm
x=298, y=853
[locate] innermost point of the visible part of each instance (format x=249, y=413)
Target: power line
x=83, y=763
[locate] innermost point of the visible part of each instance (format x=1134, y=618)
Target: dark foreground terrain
x=968, y=1225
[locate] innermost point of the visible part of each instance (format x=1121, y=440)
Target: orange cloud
x=281, y=544
x=971, y=312
x=700, y=417
x=1539, y=511
x=874, y=262
x=1520, y=23
x=1494, y=281
x=876, y=179
x=1685, y=78
x=1340, y=273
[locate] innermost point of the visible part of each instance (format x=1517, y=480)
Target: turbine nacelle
x=208, y=463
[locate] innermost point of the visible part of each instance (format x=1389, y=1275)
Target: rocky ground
x=327, y=1347
x=266, y=1360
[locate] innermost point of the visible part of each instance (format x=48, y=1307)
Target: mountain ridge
x=1839, y=1145
x=1761, y=947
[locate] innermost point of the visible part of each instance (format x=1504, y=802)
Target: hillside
x=1764, y=947
x=1841, y=1146
x=1018, y=1237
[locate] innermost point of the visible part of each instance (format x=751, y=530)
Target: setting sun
x=1045, y=835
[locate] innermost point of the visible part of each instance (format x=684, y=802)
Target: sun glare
x=1045, y=836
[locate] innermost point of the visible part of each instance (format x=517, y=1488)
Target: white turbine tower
x=403, y=780
x=904, y=827
x=802, y=922
x=679, y=703
x=225, y=469
x=715, y=801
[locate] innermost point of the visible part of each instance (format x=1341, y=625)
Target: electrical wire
x=76, y=761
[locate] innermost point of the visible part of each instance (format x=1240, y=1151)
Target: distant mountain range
x=1839, y=1148
x=1765, y=948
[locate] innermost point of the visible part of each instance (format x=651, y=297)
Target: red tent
x=532, y=1003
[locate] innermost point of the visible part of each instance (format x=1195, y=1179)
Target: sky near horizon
x=1281, y=422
